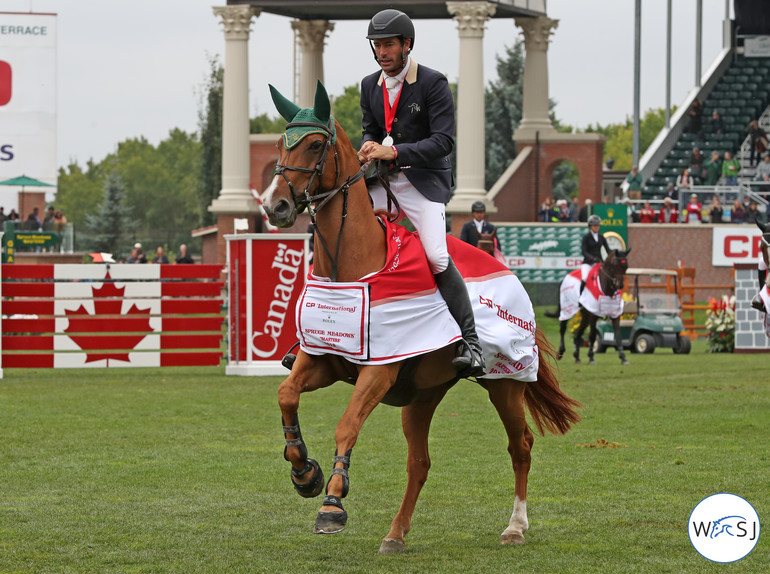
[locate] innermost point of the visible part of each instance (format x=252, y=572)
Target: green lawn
x=180, y=470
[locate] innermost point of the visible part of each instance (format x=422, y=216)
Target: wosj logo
x=724, y=527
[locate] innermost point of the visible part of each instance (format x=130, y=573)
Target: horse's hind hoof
x=591, y=362
x=624, y=362
x=577, y=361
x=512, y=538
x=392, y=546
x=330, y=522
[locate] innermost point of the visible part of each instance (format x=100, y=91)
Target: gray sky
x=135, y=68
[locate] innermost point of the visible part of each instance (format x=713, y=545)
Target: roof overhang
x=365, y=9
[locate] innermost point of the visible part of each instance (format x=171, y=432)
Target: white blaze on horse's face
x=270, y=201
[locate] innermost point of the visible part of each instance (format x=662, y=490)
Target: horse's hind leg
x=562, y=331
x=508, y=398
x=415, y=420
x=306, y=375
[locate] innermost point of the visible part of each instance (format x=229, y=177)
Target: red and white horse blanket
x=398, y=311
x=764, y=294
x=593, y=299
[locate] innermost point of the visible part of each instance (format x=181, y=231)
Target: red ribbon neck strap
x=390, y=112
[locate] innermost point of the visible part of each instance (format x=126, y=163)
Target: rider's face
x=389, y=54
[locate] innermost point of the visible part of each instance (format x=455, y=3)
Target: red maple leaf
x=88, y=331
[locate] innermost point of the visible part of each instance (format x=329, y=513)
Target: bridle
x=306, y=199
x=615, y=280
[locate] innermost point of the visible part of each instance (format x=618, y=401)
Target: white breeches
x=584, y=269
x=426, y=216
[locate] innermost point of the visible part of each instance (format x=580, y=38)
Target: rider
x=408, y=125
x=472, y=230
x=593, y=241
x=762, y=267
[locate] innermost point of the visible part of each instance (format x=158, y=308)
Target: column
x=535, y=118
x=471, y=18
x=311, y=35
x=235, y=195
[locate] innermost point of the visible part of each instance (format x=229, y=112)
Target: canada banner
x=266, y=274
x=100, y=315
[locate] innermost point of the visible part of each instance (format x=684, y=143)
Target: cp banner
x=266, y=276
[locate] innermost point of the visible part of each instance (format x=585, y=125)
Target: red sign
x=267, y=273
x=5, y=83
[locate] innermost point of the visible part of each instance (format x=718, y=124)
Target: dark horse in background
x=320, y=171
x=610, y=278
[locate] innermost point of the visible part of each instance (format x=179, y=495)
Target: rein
x=306, y=200
x=614, y=284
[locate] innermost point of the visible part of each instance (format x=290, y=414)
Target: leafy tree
x=619, y=144
x=79, y=192
x=108, y=225
x=347, y=111
x=263, y=124
x=210, y=126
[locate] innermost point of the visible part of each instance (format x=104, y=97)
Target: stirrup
x=467, y=361
x=758, y=304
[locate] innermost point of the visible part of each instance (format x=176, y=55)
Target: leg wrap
x=296, y=441
x=343, y=472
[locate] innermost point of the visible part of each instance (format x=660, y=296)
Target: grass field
x=180, y=470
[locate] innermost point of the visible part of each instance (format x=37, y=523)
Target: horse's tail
x=550, y=407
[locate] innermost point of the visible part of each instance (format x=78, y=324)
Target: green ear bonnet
x=315, y=120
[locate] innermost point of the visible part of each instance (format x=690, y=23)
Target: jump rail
x=102, y=315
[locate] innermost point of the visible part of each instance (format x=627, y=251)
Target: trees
x=107, y=226
x=210, y=125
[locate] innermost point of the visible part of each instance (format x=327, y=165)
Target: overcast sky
x=135, y=68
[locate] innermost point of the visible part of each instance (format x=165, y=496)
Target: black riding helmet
x=389, y=24
x=478, y=206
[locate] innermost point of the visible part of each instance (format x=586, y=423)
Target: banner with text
x=735, y=244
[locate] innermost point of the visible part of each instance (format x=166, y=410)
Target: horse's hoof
x=512, y=537
x=312, y=487
x=577, y=361
x=624, y=362
x=392, y=546
x=591, y=362
x=330, y=522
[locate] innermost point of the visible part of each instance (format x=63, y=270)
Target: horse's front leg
x=592, y=334
x=562, y=331
x=371, y=386
x=578, y=338
x=619, y=342
x=307, y=374
x=415, y=421
x=508, y=398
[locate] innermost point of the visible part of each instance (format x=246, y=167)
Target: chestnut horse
x=611, y=276
x=318, y=169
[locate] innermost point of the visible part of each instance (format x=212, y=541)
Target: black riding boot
x=756, y=302
x=582, y=286
x=469, y=361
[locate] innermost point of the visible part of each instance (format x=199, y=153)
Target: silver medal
x=388, y=141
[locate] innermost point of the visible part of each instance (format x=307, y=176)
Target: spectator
x=183, y=256
x=137, y=255
x=563, y=210
x=717, y=126
x=573, y=209
x=693, y=210
x=632, y=215
x=762, y=173
x=585, y=211
x=672, y=193
x=684, y=181
x=3, y=216
x=668, y=212
x=59, y=221
x=715, y=210
x=757, y=142
x=160, y=256
x=13, y=216
x=752, y=214
x=713, y=169
x=548, y=213
x=635, y=183
x=696, y=164
x=730, y=169
x=33, y=222
x=48, y=219
x=694, y=114
x=736, y=213
x=647, y=214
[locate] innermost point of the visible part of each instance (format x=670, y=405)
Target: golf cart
x=656, y=316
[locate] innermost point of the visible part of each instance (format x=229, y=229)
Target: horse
x=318, y=170
x=600, y=297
